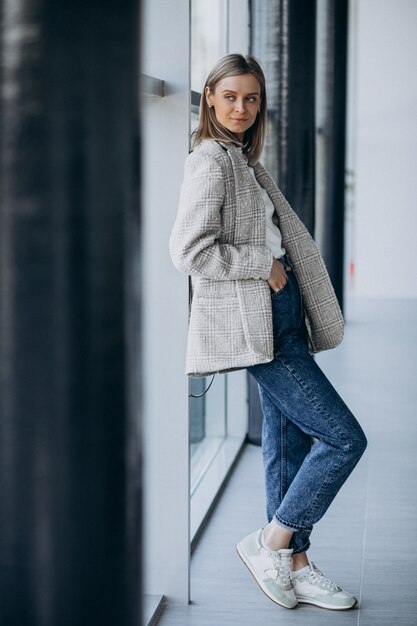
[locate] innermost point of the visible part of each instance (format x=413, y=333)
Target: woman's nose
x=240, y=105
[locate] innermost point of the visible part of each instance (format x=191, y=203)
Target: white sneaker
x=312, y=587
x=271, y=570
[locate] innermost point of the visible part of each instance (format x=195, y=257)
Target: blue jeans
x=310, y=440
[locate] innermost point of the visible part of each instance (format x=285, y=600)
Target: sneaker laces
x=317, y=577
x=283, y=566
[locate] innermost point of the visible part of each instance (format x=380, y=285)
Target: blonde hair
x=210, y=128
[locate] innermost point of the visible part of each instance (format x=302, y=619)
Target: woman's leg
x=294, y=384
x=295, y=391
x=299, y=388
x=284, y=447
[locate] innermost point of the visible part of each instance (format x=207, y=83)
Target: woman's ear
x=208, y=96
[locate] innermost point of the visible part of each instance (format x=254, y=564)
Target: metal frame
x=152, y=86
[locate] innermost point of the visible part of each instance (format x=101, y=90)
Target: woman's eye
x=249, y=98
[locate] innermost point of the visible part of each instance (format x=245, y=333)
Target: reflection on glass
x=207, y=416
x=194, y=119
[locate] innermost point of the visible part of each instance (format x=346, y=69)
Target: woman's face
x=236, y=102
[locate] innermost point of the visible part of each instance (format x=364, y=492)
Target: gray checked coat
x=219, y=240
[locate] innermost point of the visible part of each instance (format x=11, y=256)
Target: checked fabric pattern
x=218, y=238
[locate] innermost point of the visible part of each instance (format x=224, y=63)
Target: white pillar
x=166, y=55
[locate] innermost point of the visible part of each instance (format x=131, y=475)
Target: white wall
x=165, y=55
x=385, y=219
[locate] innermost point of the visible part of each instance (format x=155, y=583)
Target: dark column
x=283, y=38
x=70, y=479
x=331, y=136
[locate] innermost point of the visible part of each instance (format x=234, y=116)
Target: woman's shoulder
x=209, y=147
x=207, y=154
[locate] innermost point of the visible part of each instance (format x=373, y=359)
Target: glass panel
x=207, y=416
x=194, y=119
x=208, y=38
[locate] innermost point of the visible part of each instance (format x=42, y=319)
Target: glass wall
x=190, y=444
x=209, y=418
x=209, y=37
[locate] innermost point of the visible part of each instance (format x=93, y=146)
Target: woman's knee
x=358, y=443
x=363, y=443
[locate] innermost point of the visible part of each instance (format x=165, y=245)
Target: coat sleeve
x=194, y=242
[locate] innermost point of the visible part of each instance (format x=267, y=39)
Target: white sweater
x=273, y=234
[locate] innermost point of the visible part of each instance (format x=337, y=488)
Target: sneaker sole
x=322, y=605
x=259, y=583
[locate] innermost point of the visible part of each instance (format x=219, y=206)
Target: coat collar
x=230, y=147
x=240, y=164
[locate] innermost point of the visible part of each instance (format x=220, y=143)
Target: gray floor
x=367, y=540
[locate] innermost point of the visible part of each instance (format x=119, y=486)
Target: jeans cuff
x=290, y=525
x=303, y=548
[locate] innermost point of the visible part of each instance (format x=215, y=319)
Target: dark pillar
x=70, y=478
x=283, y=38
x=331, y=136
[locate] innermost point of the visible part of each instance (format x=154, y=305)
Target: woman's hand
x=278, y=276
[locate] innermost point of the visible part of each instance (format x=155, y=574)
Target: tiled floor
x=367, y=540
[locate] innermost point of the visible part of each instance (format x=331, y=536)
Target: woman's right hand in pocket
x=278, y=276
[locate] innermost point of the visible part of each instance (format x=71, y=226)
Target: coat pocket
x=209, y=288
x=215, y=333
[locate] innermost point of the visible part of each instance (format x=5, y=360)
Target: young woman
x=262, y=300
